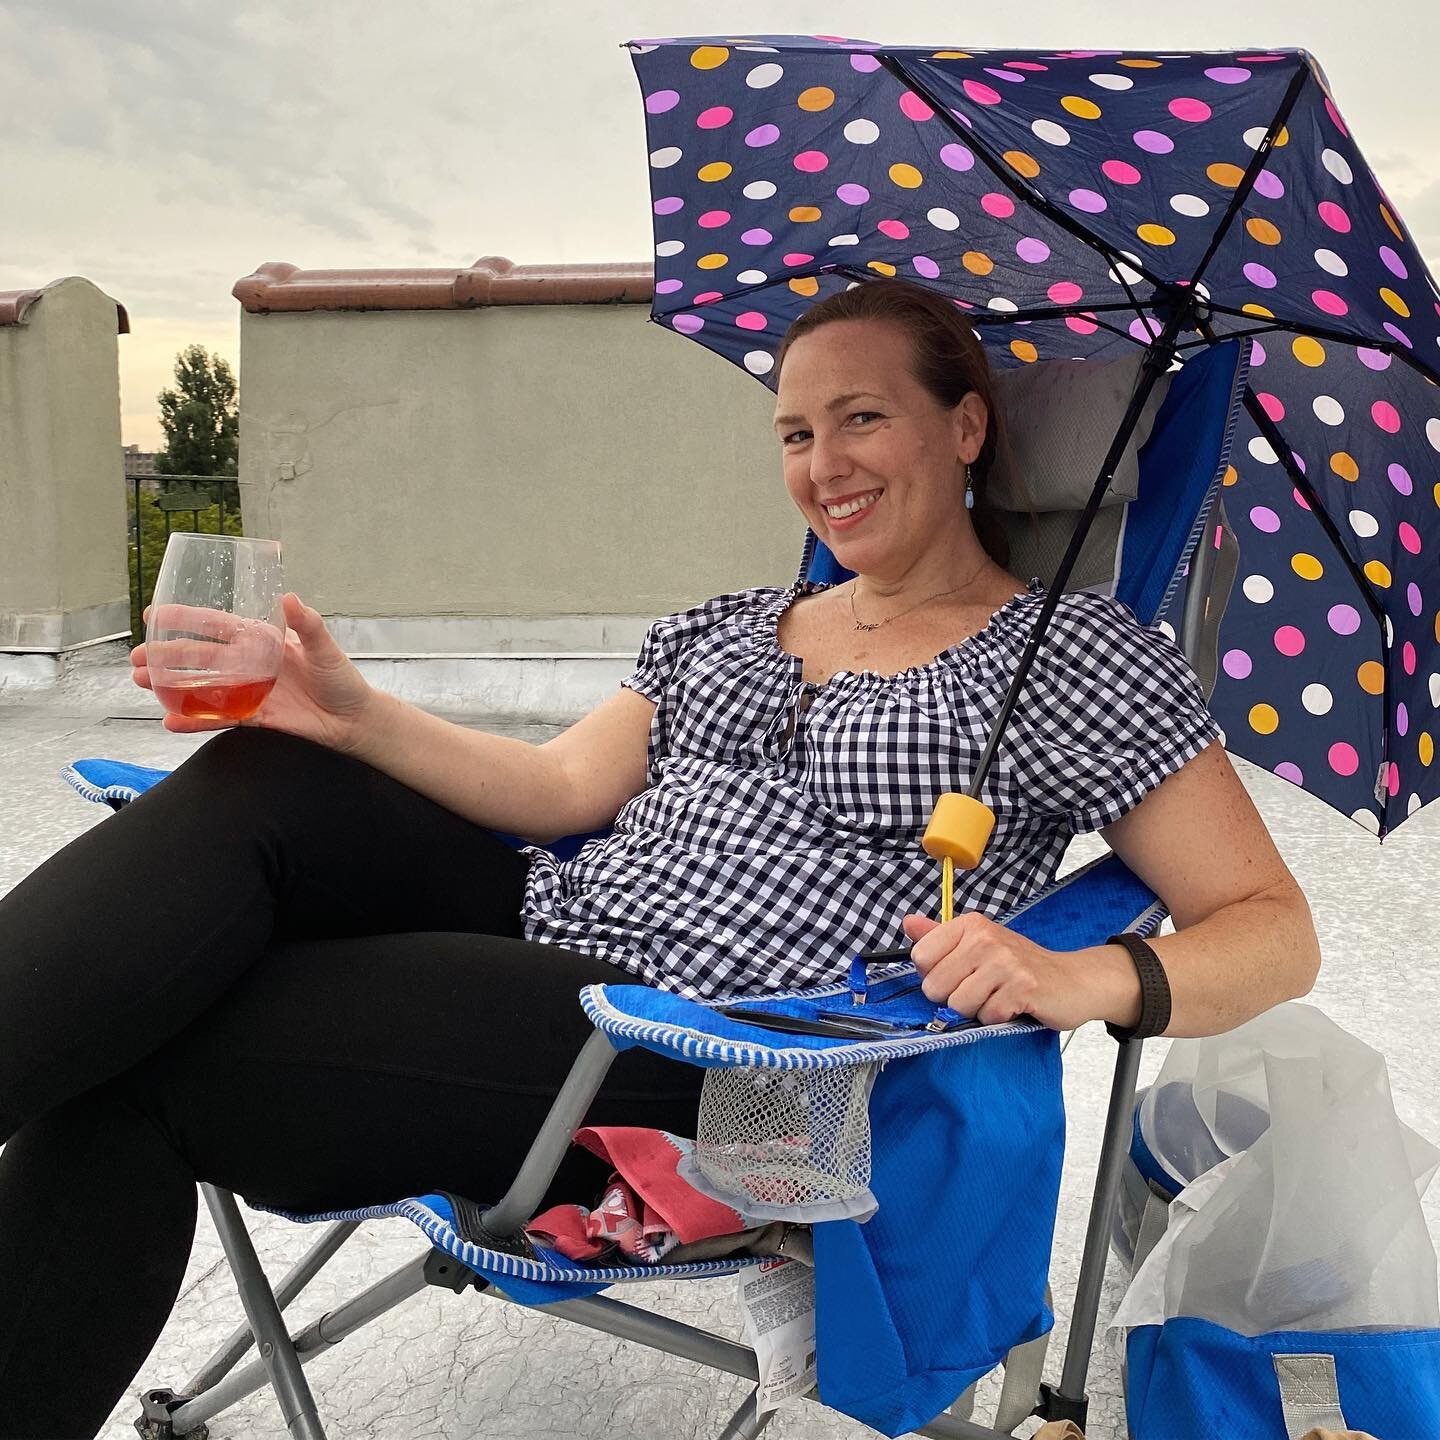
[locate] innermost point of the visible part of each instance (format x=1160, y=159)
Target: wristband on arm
x=1154, y=991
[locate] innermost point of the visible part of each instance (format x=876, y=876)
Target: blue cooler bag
x=1193, y=1380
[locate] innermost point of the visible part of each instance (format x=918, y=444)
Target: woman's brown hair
x=949, y=362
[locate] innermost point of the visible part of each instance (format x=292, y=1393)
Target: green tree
x=199, y=417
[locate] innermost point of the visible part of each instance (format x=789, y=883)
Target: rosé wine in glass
x=216, y=630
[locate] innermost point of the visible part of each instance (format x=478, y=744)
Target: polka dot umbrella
x=1081, y=204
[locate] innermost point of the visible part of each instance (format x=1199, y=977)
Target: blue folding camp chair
x=965, y=1131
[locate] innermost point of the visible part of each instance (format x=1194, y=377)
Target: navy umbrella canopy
x=1081, y=204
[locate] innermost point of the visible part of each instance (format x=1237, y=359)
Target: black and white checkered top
x=779, y=832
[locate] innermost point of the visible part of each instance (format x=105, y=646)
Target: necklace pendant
x=860, y=625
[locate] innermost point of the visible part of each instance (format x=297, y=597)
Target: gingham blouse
x=779, y=831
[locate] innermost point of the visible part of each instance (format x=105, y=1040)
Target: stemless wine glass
x=216, y=630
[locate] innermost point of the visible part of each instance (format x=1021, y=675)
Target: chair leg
x=747, y=1422
x=277, y=1350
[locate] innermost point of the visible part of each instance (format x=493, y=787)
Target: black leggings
x=284, y=973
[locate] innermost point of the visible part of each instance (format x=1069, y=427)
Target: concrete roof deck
x=445, y=1365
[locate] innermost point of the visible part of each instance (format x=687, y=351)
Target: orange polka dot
x=1260, y=310
x=1022, y=164
x=907, y=177
x=804, y=214
x=880, y=267
x=1344, y=466
x=712, y=262
x=1231, y=475
x=1395, y=302
x=951, y=55
x=1227, y=175
x=716, y=170
x=1427, y=748
x=1263, y=719
x=1378, y=573
x=1139, y=64
x=806, y=285
x=817, y=97
x=1081, y=108
x=1263, y=231
x=1308, y=350
x=1371, y=676
x=1024, y=350
x=709, y=57
x=1307, y=567
x=1155, y=234
x=977, y=263
x=1389, y=219
x=1437, y=494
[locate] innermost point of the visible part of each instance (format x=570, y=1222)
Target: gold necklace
x=879, y=624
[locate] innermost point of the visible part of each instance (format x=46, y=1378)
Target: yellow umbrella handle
x=959, y=829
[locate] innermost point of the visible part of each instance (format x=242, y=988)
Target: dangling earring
x=969, y=490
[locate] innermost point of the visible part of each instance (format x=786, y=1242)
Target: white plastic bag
x=1314, y=1225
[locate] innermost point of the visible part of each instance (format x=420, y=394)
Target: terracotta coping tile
x=15, y=307
x=491, y=280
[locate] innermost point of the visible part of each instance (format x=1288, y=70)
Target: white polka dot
x=1389, y=633
x=762, y=77
x=1112, y=82
x=1166, y=629
x=943, y=219
x=1262, y=450
x=1368, y=819
x=669, y=247
x=1125, y=275
x=664, y=159
x=1412, y=804
x=758, y=190
x=1328, y=410
x=759, y=362
x=1258, y=589
x=1435, y=690
x=1191, y=205
x=1432, y=433
x=1050, y=132
x=1254, y=135
x=1203, y=290
x=862, y=132
x=752, y=277
x=1331, y=263
x=1337, y=165
x=1002, y=304
x=844, y=240
x=1364, y=524
x=1317, y=699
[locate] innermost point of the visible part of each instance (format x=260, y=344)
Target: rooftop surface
x=444, y=1365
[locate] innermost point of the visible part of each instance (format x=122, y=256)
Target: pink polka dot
x=1186, y=108
x=1295, y=495
x=1289, y=640
x=981, y=94
x=1033, y=251
x=1334, y=115
x=1329, y=302
x=1088, y=201
x=1392, y=780
x=1386, y=416
x=1271, y=405
x=925, y=266
x=707, y=297
x=1372, y=359
x=1407, y=657
x=1120, y=172
x=1237, y=664
x=852, y=194
x=713, y=219
x=1264, y=519
x=1080, y=325
x=1414, y=599
x=715, y=117
x=957, y=157
x=1343, y=759
x=1334, y=216
x=895, y=229
x=1154, y=142
x=1400, y=478
x=1065, y=292
x=688, y=324
x=762, y=135
x=1409, y=537
x=1393, y=263
x=914, y=107
x=661, y=101
x=1291, y=772
x=811, y=161
x=751, y=320
x=1343, y=619
x=668, y=205
x=1031, y=65
x=757, y=236
x=1258, y=274
x=798, y=257
x=1002, y=207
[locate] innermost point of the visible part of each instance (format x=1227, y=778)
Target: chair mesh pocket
x=790, y=1144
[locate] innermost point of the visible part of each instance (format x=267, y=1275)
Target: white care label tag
x=778, y=1297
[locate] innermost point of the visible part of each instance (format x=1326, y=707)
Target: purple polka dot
x=1033, y=251
x=1291, y=772
x=1402, y=719
x=1121, y=172
x=852, y=194
x=669, y=205
x=688, y=324
x=1414, y=599
x=1001, y=207
x=1145, y=329
x=762, y=135
x=1269, y=185
x=864, y=64
x=1186, y=108
x=1396, y=333
x=1393, y=263
x=1009, y=75
x=1237, y=664
x=1257, y=354
x=1343, y=619
x=1289, y=640
x=757, y=236
x=1264, y=519
x=1088, y=201
x=925, y=266
x=1343, y=759
x=1372, y=359
x=895, y=229
x=811, y=162
x=714, y=219
x=1154, y=142
x=1400, y=478
x=661, y=101
x=957, y=157
x=1228, y=75
x=1258, y=274
x=668, y=287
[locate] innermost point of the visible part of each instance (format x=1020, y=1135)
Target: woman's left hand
x=983, y=971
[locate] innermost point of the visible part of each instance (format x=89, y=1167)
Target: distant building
x=138, y=461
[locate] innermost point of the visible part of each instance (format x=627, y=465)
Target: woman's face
x=874, y=463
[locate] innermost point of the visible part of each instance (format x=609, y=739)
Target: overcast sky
x=164, y=148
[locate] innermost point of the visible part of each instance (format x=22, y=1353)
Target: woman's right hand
x=319, y=694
